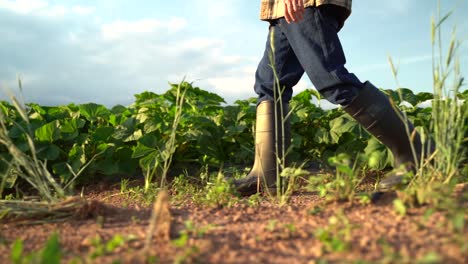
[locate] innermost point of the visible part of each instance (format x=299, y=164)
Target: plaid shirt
x=273, y=9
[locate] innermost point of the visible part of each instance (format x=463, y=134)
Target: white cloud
x=23, y=6
x=83, y=10
x=43, y=8
x=110, y=62
x=121, y=28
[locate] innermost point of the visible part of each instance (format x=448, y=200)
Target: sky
x=106, y=51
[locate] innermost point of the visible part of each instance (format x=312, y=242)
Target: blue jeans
x=310, y=46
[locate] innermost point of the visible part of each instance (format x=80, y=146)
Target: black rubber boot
x=373, y=110
x=263, y=173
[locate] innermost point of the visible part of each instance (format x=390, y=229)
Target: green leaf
x=69, y=127
x=424, y=96
x=93, y=111
x=135, y=136
x=458, y=221
x=116, y=242
x=52, y=252
x=17, y=251
x=339, y=126
x=49, y=152
x=430, y=258
x=378, y=155
x=399, y=207
x=141, y=151
x=408, y=96
x=49, y=132
x=103, y=133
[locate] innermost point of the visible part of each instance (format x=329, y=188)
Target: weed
x=336, y=237
x=124, y=185
x=342, y=186
x=218, y=193
x=399, y=207
x=271, y=226
x=101, y=248
x=439, y=171
x=51, y=253
x=315, y=210
x=182, y=241
x=161, y=163
x=254, y=200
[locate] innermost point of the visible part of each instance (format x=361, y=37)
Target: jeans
x=310, y=46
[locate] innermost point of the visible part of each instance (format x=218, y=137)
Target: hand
x=294, y=10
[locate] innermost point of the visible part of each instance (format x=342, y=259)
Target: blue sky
x=105, y=51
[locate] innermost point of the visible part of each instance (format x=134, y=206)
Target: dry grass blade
x=160, y=221
x=35, y=212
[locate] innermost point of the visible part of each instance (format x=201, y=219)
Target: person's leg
x=268, y=128
x=288, y=69
x=316, y=43
x=317, y=46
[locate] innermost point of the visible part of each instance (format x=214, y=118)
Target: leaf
x=103, y=133
x=141, y=150
x=69, y=127
x=93, y=111
x=52, y=251
x=49, y=132
x=135, y=136
x=408, y=96
x=399, y=207
x=458, y=221
x=17, y=252
x=430, y=258
x=423, y=96
x=378, y=155
x=339, y=126
x=49, y=152
x=116, y=242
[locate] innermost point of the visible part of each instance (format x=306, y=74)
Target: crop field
x=152, y=182
x=114, y=198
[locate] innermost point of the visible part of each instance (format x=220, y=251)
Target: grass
x=163, y=162
x=52, y=201
x=440, y=167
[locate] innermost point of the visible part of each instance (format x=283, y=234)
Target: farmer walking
x=304, y=34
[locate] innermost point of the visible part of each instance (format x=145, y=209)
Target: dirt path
x=304, y=231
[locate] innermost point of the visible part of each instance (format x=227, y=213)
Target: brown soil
x=263, y=233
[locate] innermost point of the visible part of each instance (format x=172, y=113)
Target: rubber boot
x=373, y=110
x=264, y=170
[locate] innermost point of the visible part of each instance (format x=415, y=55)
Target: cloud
x=43, y=8
x=23, y=6
x=82, y=60
x=119, y=28
x=83, y=10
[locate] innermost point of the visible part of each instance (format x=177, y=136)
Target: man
x=304, y=34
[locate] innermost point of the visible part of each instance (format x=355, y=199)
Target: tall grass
x=52, y=201
x=449, y=114
x=285, y=176
x=440, y=169
x=26, y=165
x=164, y=160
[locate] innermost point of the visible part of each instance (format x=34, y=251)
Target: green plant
x=25, y=164
x=437, y=174
x=101, y=248
x=336, y=237
x=218, y=193
x=342, y=186
x=162, y=159
x=51, y=253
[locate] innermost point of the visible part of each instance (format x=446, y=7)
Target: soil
x=246, y=233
